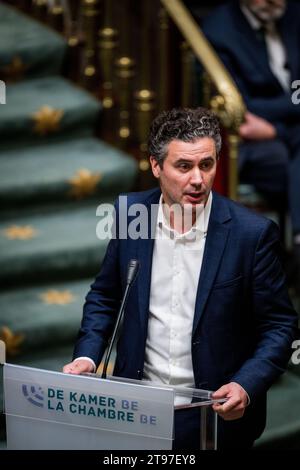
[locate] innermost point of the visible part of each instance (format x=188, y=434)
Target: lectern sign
x=88, y=404
x=57, y=411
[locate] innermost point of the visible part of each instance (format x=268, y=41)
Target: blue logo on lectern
x=34, y=394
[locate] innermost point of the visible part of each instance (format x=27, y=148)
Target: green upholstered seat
x=79, y=109
x=63, y=243
x=283, y=415
x=46, y=315
x=248, y=196
x=47, y=172
x=40, y=49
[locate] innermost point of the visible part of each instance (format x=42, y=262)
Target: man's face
x=188, y=171
x=267, y=10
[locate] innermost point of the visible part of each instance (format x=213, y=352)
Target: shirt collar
x=252, y=20
x=199, y=227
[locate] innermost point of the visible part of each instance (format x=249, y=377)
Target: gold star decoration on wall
x=20, y=232
x=12, y=340
x=14, y=71
x=84, y=183
x=56, y=297
x=47, y=120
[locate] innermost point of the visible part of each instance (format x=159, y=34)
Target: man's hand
x=78, y=367
x=256, y=128
x=234, y=407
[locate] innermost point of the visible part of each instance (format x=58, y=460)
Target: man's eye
x=206, y=165
x=183, y=166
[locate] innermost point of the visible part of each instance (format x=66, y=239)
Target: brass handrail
x=2, y=352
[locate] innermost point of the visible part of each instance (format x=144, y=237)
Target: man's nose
x=196, y=177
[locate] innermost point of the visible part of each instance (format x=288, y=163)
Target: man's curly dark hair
x=185, y=124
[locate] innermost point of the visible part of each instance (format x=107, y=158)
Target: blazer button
x=139, y=374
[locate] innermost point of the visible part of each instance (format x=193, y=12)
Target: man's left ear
x=155, y=167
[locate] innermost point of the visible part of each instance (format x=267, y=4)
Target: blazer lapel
x=216, y=240
x=288, y=34
x=253, y=41
x=145, y=253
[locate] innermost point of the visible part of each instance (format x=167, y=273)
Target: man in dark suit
x=258, y=41
x=209, y=308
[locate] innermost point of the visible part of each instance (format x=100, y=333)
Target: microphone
x=132, y=271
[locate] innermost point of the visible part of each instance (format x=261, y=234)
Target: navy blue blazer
x=244, y=53
x=244, y=323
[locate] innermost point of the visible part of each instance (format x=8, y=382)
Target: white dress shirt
x=176, y=264
x=276, y=51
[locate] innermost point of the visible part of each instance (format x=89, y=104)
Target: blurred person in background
x=259, y=41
